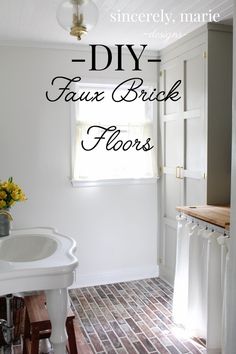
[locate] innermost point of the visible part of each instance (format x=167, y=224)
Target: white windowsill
x=112, y=182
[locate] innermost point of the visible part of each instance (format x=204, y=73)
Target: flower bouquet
x=10, y=193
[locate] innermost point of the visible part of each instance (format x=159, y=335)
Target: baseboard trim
x=116, y=276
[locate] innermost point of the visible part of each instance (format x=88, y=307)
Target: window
x=135, y=122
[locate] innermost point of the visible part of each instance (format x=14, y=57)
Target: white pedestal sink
x=40, y=259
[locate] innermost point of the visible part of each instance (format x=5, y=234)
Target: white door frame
x=231, y=303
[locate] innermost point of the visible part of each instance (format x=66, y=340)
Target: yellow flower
x=2, y=204
x=3, y=194
x=4, y=185
x=22, y=197
x=8, y=186
x=10, y=193
x=11, y=203
x=15, y=195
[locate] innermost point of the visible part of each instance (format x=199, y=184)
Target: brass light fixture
x=77, y=16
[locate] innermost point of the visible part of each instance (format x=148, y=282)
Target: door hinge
x=204, y=54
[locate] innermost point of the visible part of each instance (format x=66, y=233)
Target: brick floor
x=130, y=317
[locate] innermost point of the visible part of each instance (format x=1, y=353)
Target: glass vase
x=5, y=223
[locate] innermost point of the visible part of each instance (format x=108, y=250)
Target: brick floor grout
x=155, y=314
x=130, y=318
x=101, y=324
x=127, y=314
x=89, y=322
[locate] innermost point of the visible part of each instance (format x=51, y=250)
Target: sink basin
x=36, y=259
x=27, y=248
x=40, y=259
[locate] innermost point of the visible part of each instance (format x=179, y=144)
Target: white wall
x=115, y=226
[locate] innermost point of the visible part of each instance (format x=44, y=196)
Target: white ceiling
x=35, y=20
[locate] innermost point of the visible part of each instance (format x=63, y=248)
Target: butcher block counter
x=216, y=215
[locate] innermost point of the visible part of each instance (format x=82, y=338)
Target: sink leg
x=57, y=312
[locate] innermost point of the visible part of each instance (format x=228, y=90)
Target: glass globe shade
x=77, y=12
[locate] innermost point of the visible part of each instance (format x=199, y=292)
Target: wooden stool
x=38, y=326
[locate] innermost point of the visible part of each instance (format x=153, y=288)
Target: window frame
x=110, y=181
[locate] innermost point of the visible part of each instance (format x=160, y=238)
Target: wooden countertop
x=216, y=215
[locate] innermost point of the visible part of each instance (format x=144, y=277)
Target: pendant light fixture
x=77, y=16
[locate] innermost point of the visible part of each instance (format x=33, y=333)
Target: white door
x=183, y=135
x=171, y=136
x=194, y=126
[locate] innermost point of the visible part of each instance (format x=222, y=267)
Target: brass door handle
x=177, y=172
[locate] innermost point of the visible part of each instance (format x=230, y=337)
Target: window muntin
x=135, y=121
